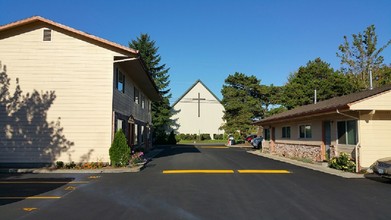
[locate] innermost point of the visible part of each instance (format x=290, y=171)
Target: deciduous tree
x=362, y=55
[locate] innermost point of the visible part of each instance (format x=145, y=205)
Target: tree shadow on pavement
x=171, y=150
x=14, y=188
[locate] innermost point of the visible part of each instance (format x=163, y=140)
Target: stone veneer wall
x=312, y=152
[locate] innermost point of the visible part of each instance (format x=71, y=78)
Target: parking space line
x=264, y=171
x=197, y=171
x=30, y=197
x=43, y=182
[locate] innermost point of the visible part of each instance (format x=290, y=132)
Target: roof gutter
x=349, y=116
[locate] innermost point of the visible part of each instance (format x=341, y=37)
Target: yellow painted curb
x=196, y=171
x=264, y=171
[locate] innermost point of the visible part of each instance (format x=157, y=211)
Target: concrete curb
x=134, y=169
x=315, y=167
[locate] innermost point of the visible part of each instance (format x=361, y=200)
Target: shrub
x=171, y=138
x=59, y=164
x=119, y=151
x=205, y=137
x=218, y=136
x=343, y=162
x=161, y=137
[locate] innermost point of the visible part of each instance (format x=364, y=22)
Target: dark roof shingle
x=341, y=102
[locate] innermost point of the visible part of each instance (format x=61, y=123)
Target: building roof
x=326, y=106
x=36, y=21
x=191, y=87
x=81, y=34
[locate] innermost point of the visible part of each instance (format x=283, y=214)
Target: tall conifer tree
x=161, y=110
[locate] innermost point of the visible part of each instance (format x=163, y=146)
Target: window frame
x=346, y=132
x=47, y=35
x=136, y=97
x=266, y=133
x=118, y=77
x=307, y=127
x=286, y=132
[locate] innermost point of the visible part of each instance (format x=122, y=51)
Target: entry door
x=327, y=137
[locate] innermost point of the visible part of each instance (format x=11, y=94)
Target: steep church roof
x=191, y=87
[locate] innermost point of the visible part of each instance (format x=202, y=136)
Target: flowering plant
x=137, y=157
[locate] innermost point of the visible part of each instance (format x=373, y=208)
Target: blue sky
x=210, y=39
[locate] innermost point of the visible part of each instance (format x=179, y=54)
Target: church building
x=199, y=111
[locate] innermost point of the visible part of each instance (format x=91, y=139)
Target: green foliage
x=242, y=102
x=343, y=162
x=171, y=138
x=205, y=137
x=362, y=55
x=161, y=110
x=119, y=151
x=59, y=164
x=161, y=138
x=317, y=74
x=218, y=136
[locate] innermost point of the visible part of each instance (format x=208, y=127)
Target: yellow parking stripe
x=42, y=182
x=196, y=171
x=265, y=171
x=31, y=197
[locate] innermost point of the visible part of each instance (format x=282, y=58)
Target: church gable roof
x=191, y=87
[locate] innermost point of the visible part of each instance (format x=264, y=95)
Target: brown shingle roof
x=107, y=43
x=340, y=103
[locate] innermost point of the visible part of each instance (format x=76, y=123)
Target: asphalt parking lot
x=187, y=182
x=33, y=192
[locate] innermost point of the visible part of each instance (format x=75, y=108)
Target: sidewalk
x=148, y=156
x=317, y=167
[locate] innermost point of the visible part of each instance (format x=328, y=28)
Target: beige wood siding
x=379, y=102
x=316, y=130
x=375, y=137
x=81, y=75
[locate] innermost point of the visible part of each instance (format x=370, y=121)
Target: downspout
x=357, y=147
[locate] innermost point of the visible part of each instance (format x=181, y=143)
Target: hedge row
x=201, y=137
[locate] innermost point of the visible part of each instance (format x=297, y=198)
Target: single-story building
x=358, y=124
x=85, y=88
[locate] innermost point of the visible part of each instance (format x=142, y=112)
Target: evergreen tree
x=317, y=74
x=161, y=110
x=362, y=56
x=242, y=103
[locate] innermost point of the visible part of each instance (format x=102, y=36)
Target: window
x=347, y=132
x=286, y=132
x=142, y=101
x=135, y=134
x=120, y=80
x=305, y=131
x=266, y=132
x=136, y=96
x=119, y=124
x=47, y=35
x=142, y=134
